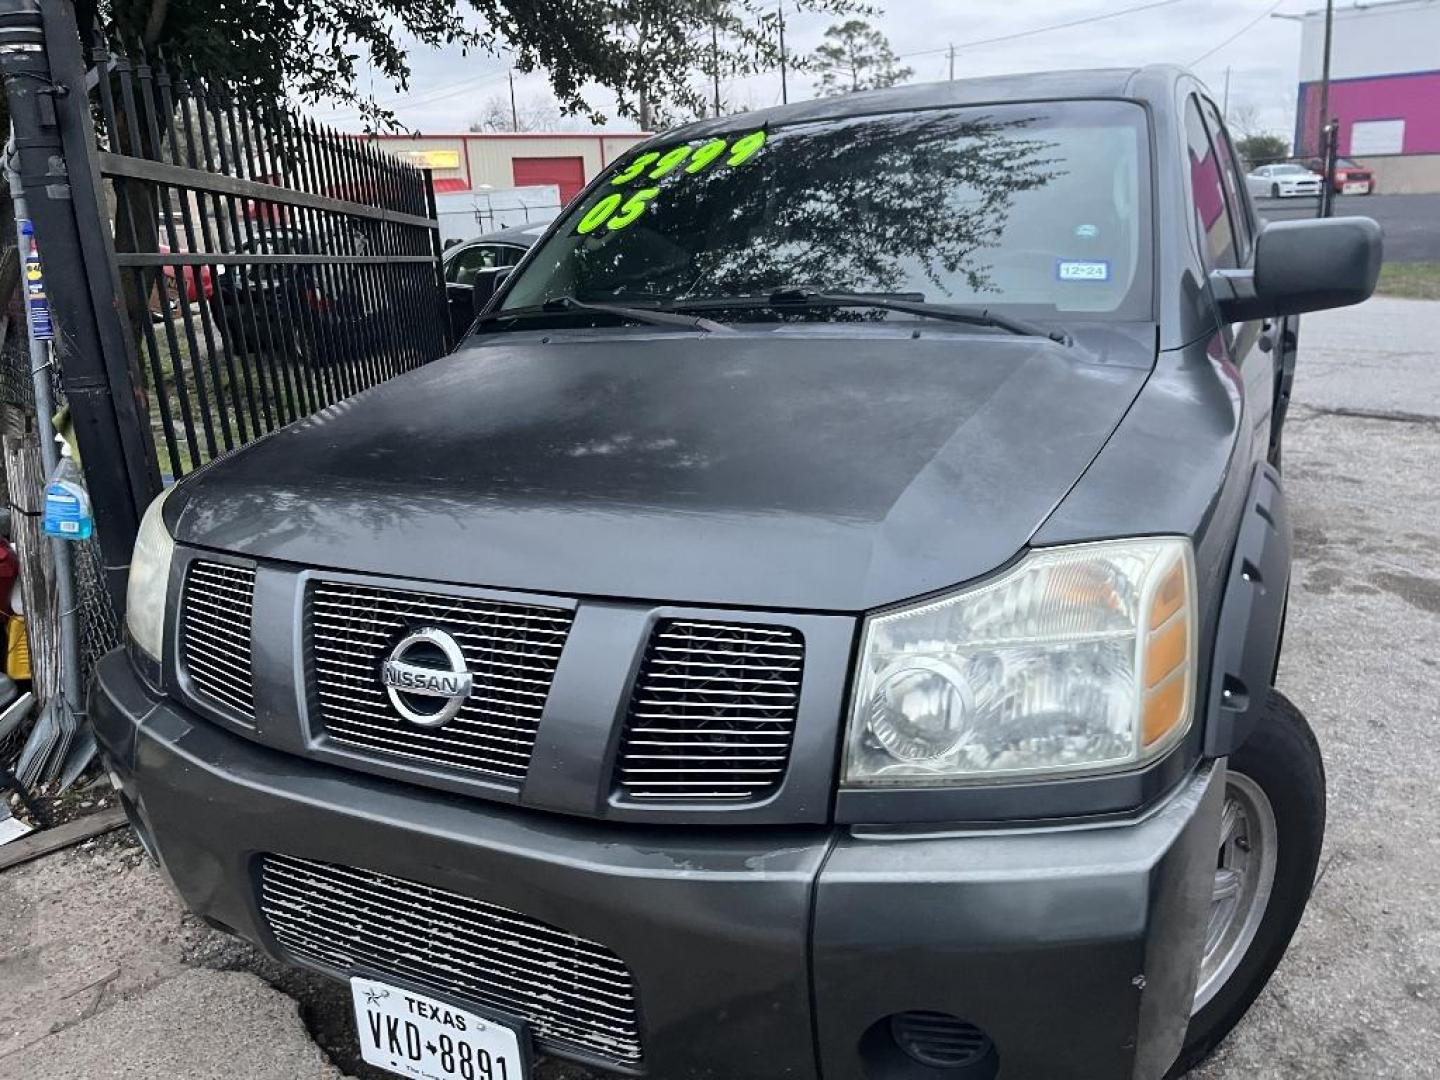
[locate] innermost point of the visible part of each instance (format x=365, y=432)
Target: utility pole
x=715, y=63
x=514, y=114
x=44, y=72
x=784, y=92
x=1325, y=78
x=1225, y=101
x=952, y=62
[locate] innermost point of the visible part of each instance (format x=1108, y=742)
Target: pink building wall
x=1415, y=98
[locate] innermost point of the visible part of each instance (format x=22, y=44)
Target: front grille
x=712, y=714
x=576, y=994
x=510, y=649
x=215, y=610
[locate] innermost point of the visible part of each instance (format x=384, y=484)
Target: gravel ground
x=103, y=975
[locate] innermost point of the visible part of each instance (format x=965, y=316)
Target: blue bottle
x=67, y=504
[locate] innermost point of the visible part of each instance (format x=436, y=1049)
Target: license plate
x=1358, y=187
x=417, y=1036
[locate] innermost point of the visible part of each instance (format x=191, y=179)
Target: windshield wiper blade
x=799, y=297
x=637, y=314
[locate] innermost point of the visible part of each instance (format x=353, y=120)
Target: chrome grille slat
x=371, y=681
x=488, y=738
x=381, y=702
x=455, y=759
x=574, y=993
x=705, y=716
x=508, y=955
x=214, y=631
x=386, y=735
x=428, y=600
x=225, y=637
x=216, y=584
x=326, y=655
x=712, y=713
x=511, y=649
x=397, y=889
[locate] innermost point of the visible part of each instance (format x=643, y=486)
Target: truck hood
x=810, y=468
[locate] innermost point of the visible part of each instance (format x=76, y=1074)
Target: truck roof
x=1140, y=83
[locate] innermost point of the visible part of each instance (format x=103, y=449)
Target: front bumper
x=756, y=952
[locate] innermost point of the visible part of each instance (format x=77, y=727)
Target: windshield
x=1297, y=170
x=1042, y=208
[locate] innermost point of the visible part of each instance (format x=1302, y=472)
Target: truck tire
x=1273, y=824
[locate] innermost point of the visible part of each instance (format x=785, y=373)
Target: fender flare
x=1252, y=613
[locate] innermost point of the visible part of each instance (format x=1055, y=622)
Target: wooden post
x=25, y=477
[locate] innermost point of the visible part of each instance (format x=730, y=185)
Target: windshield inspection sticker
x=1086, y=270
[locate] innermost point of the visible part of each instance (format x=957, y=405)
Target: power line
x=427, y=97
x=1043, y=29
x=1263, y=15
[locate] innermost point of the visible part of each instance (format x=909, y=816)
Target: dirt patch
x=1421, y=592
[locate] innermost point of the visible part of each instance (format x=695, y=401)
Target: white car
x=1283, y=181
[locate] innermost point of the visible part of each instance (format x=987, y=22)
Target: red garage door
x=568, y=172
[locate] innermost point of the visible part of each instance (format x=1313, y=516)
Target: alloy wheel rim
x=1244, y=879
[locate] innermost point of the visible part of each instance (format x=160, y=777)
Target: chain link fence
x=98, y=622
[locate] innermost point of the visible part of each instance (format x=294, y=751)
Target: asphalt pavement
x=102, y=974
x=1411, y=223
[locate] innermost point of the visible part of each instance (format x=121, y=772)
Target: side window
x=1234, y=180
x=1207, y=194
x=462, y=269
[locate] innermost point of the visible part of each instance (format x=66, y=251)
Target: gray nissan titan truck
x=821, y=621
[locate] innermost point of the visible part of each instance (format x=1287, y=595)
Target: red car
x=206, y=286
x=1351, y=178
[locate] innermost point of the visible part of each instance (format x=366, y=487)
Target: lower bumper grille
x=576, y=994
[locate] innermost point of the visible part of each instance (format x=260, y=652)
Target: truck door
x=1227, y=241
x=1278, y=336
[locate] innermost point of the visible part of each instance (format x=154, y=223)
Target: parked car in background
x=190, y=275
x=198, y=283
x=1351, y=178
x=1283, y=181
x=821, y=621
x=315, y=312
x=465, y=262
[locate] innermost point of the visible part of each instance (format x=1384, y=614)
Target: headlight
x=1078, y=660
x=149, y=577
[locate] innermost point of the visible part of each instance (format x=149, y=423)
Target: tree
x=663, y=45
x=646, y=52
x=532, y=114
x=1262, y=148
x=856, y=56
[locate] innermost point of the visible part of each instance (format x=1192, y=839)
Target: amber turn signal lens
x=1164, y=709
x=1169, y=596
x=1167, y=674
x=1166, y=650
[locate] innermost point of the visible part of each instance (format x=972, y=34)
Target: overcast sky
x=448, y=89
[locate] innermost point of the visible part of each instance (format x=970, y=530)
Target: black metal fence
x=217, y=265
x=268, y=267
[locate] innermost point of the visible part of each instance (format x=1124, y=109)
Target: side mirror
x=1303, y=266
x=487, y=284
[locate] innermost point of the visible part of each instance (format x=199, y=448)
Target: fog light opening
x=918, y=1045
